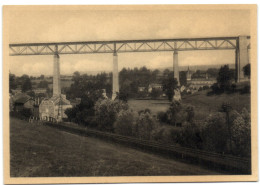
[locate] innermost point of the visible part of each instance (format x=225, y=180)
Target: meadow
x=203, y=104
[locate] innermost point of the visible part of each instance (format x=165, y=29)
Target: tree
x=12, y=81
x=226, y=108
x=31, y=93
x=169, y=84
x=42, y=77
x=183, y=78
x=106, y=112
x=190, y=114
x=156, y=93
x=27, y=85
x=224, y=78
x=173, y=113
x=214, y=133
x=246, y=70
x=43, y=84
x=213, y=72
x=124, y=123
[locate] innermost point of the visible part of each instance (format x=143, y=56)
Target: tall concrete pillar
x=242, y=57
x=56, y=75
x=176, y=66
x=115, y=76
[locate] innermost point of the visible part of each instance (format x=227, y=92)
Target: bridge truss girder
x=224, y=43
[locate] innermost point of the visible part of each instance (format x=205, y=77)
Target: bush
x=166, y=135
x=216, y=89
x=162, y=117
x=172, y=112
x=190, y=136
x=241, y=134
x=124, y=123
x=144, y=111
x=106, y=112
x=245, y=90
x=144, y=125
x=24, y=113
x=215, y=133
x=156, y=93
x=190, y=113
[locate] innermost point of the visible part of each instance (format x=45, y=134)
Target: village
x=35, y=97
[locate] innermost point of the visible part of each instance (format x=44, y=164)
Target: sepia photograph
x=129, y=93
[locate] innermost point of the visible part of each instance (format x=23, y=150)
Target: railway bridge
x=240, y=45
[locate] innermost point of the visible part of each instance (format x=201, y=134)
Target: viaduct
x=240, y=45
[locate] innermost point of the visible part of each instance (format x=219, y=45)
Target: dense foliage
x=247, y=70
x=169, y=84
x=106, y=113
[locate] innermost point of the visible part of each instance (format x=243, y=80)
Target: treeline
x=226, y=81
x=25, y=83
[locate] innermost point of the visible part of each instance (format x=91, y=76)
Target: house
x=16, y=91
x=195, y=80
x=141, y=89
x=40, y=91
x=23, y=102
x=54, y=108
x=154, y=86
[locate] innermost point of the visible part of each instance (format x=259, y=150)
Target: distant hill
x=198, y=67
x=181, y=68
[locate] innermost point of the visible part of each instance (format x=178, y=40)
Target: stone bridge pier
x=115, y=88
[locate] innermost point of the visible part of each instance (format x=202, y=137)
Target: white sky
x=54, y=25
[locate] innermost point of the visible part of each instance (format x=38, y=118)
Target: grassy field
x=154, y=105
x=204, y=105
x=41, y=151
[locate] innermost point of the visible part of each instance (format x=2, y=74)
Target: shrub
x=190, y=136
x=215, y=133
x=190, y=113
x=162, y=117
x=173, y=111
x=124, y=123
x=216, y=89
x=106, y=113
x=241, y=134
x=156, y=93
x=144, y=125
x=245, y=89
x=166, y=135
x=25, y=113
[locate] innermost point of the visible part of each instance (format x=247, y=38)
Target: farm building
x=23, y=102
x=54, y=108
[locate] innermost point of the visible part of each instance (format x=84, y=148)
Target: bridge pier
x=176, y=66
x=241, y=57
x=115, y=76
x=56, y=73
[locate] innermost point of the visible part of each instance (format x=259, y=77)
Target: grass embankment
x=41, y=151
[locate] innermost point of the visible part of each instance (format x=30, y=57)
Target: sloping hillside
x=204, y=105
x=41, y=151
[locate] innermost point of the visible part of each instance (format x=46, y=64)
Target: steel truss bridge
x=240, y=45
x=122, y=46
